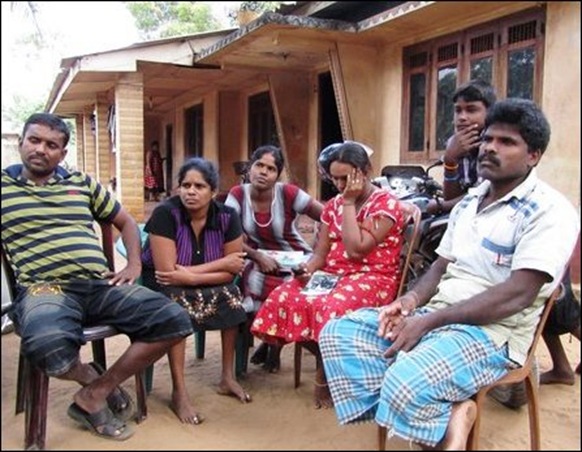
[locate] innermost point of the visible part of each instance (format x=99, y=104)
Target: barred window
x=507, y=53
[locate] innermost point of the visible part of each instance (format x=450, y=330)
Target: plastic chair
x=33, y=384
x=522, y=375
x=411, y=236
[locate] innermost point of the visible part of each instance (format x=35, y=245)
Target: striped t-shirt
x=48, y=231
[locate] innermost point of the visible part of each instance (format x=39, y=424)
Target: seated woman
x=193, y=254
x=360, y=240
x=268, y=210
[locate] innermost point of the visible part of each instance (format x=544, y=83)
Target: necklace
x=360, y=204
x=250, y=202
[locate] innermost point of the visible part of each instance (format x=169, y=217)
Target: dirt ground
x=279, y=418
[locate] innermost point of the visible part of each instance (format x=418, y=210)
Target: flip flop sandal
x=101, y=423
x=119, y=401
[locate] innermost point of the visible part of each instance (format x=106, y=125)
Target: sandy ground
x=279, y=418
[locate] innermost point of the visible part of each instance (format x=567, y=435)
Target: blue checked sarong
x=412, y=394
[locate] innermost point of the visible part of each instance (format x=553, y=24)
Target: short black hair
x=348, y=152
x=269, y=149
x=49, y=120
x=476, y=90
x=527, y=117
x=204, y=167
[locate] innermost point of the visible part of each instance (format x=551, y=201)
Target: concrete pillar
x=102, y=140
x=130, y=138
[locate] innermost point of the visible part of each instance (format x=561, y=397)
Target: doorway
x=329, y=127
x=169, y=158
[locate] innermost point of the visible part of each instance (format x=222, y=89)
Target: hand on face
x=464, y=140
x=355, y=183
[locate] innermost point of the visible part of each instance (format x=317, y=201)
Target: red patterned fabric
x=290, y=316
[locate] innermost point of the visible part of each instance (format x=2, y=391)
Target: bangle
x=451, y=167
x=414, y=295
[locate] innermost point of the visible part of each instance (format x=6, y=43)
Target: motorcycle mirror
x=439, y=162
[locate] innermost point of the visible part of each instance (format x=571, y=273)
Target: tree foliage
x=19, y=109
x=165, y=19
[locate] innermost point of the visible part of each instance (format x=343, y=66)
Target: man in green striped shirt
x=63, y=280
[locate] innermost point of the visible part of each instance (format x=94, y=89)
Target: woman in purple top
x=193, y=254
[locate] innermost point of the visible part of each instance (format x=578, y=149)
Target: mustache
x=490, y=158
x=38, y=156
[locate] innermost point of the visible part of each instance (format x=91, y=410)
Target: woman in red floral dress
x=360, y=240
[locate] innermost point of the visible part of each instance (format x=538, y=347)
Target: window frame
x=262, y=127
x=194, y=130
x=500, y=51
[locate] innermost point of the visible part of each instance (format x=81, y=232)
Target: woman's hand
x=266, y=263
x=302, y=273
x=355, y=184
x=178, y=277
x=234, y=262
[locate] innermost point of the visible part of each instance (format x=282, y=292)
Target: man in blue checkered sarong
x=413, y=365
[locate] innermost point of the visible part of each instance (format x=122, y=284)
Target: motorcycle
x=414, y=184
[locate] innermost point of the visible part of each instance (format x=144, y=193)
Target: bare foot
x=462, y=418
x=552, y=377
x=88, y=400
x=232, y=388
x=184, y=410
x=322, y=396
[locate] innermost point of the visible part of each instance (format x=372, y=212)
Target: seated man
x=65, y=284
x=413, y=365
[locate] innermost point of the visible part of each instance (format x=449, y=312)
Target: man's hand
x=406, y=334
x=128, y=275
x=391, y=316
x=462, y=142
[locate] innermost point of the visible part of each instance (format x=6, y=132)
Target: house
x=319, y=72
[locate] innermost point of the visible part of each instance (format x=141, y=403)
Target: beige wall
x=387, y=151
x=231, y=110
x=560, y=165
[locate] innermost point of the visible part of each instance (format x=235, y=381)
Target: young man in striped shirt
x=64, y=282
